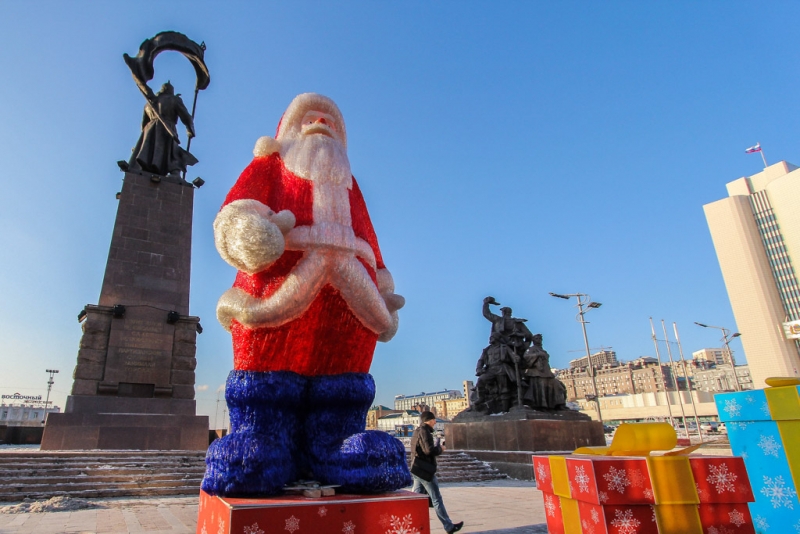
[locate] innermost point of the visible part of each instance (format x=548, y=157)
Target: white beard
x=318, y=158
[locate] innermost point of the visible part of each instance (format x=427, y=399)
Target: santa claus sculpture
x=311, y=299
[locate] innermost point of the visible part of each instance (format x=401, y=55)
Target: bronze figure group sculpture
x=514, y=370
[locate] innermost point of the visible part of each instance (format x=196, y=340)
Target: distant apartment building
x=756, y=234
x=449, y=408
x=715, y=356
x=424, y=401
x=468, y=387
x=643, y=375
x=375, y=413
x=599, y=359
x=24, y=413
x=719, y=378
x=400, y=423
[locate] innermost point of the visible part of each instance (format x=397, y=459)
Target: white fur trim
x=385, y=281
x=318, y=268
x=266, y=146
x=246, y=237
x=331, y=236
x=389, y=334
x=290, y=123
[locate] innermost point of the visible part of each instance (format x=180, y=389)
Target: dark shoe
x=456, y=527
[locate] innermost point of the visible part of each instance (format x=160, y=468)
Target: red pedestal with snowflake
x=399, y=512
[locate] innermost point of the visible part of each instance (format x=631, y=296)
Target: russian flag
x=756, y=148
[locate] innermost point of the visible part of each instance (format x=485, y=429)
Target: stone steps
x=103, y=474
x=454, y=466
x=99, y=474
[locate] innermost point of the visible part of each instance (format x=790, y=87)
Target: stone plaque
x=140, y=347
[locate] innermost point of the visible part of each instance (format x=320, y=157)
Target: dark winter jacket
x=422, y=444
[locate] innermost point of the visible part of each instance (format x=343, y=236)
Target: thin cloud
x=203, y=387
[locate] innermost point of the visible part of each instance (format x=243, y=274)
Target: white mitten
x=250, y=236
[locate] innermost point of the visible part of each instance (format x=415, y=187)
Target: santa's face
x=314, y=149
x=320, y=123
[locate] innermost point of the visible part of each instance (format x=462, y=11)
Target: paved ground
x=500, y=507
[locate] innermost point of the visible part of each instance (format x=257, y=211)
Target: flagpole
x=764, y=159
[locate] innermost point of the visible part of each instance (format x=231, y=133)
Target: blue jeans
x=432, y=488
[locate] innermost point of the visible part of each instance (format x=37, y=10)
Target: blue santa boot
x=338, y=450
x=258, y=456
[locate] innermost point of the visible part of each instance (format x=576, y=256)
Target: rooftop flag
x=755, y=148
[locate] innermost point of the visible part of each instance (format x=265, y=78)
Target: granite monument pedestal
x=506, y=441
x=134, y=380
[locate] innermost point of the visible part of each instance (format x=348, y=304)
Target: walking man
x=423, y=468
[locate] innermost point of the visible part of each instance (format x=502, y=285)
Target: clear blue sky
x=506, y=149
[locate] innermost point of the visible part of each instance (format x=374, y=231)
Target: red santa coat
x=327, y=338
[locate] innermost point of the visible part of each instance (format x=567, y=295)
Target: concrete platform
x=495, y=507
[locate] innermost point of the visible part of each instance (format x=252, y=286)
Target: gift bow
x=640, y=439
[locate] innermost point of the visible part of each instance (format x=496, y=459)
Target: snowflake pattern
x=549, y=505
x=760, y=522
x=617, y=479
x=348, y=528
x=253, y=529
x=541, y=473
x=292, y=524
x=401, y=525
x=221, y=526
x=653, y=511
x=637, y=478
x=797, y=526
x=383, y=521
x=750, y=399
x=765, y=410
x=721, y=478
x=732, y=408
x=720, y=530
x=582, y=479
x=203, y=530
x=322, y=511
x=595, y=516
x=586, y=527
x=769, y=446
x=625, y=522
x=603, y=496
x=737, y=518
x=648, y=494
x=778, y=492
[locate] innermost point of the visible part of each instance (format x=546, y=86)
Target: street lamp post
x=583, y=299
x=726, y=338
x=50, y=383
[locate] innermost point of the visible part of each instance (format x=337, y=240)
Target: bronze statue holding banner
x=158, y=149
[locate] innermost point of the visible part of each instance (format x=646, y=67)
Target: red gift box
x=400, y=511
x=726, y=518
x=552, y=512
x=541, y=472
x=610, y=480
x=616, y=518
x=721, y=479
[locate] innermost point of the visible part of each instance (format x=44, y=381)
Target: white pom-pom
x=265, y=146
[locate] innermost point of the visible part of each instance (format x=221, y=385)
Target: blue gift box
x=763, y=427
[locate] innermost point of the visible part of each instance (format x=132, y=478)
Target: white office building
x=756, y=234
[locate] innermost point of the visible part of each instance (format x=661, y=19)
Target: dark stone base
x=107, y=404
x=517, y=414
x=532, y=435
x=117, y=431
